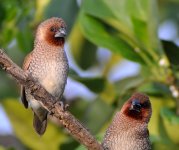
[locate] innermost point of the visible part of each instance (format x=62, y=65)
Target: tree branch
x=75, y=128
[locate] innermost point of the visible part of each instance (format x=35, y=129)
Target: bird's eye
x=52, y=29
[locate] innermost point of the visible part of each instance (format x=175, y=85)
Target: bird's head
x=53, y=31
x=138, y=107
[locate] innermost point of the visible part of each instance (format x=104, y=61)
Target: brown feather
x=40, y=126
x=27, y=61
x=25, y=67
x=23, y=97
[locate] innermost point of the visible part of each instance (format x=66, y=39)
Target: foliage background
x=127, y=29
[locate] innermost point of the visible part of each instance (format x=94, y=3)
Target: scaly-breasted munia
x=128, y=130
x=47, y=64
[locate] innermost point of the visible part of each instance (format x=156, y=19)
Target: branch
x=75, y=128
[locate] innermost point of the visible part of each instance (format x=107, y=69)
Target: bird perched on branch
x=47, y=64
x=128, y=130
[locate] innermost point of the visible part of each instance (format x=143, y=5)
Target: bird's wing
x=25, y=67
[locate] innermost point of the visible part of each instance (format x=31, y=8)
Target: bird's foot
x=63, y=105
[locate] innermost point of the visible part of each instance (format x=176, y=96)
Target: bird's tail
x=40, y=126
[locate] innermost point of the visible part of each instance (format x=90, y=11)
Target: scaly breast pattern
x=50, y=68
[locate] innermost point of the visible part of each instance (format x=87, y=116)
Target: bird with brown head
x=48, y=64
x=129, y=128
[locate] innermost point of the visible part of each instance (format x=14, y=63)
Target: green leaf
x=171, y=123
x=122, y=11
x=172, y=52
x=81, y=147
x=158, y=134
x=7, y=35
x=155, y=89
x=170, y=115
x=155, y=123
x=6, y=86
x=132, y=19
x=97, y=113
x=112, y=12
x=14, y=13
x=140, y=28
x=78, y=107
x=84, y=52
x=21, y=120
x=25, y=40
x=162, y=145
x=95, y=84
x=99, y=34
x=70, y=144
x=126, y=84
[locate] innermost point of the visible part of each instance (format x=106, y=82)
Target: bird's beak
x=61, y=33
x=136, y=106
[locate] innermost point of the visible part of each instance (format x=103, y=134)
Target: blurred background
x=115, y=48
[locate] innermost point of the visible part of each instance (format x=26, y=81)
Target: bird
x=47, y=63
x=129, y=127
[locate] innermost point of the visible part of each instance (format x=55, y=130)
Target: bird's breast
x=51, y=73
x=55, y=79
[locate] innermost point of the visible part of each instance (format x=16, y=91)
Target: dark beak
x=61, y=33
x=136, y=106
